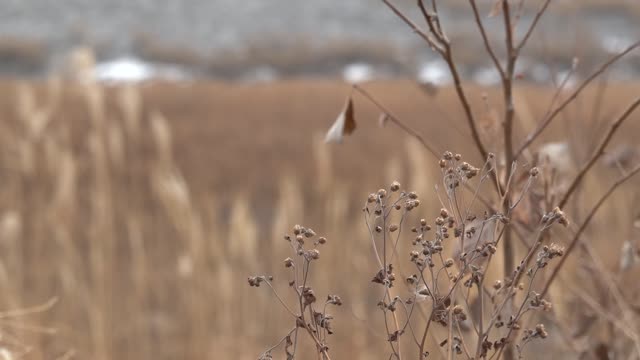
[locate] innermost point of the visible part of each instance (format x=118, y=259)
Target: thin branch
x=545, y=123
x=280, y=299
x=414, y=27
x=434, y=5
x=415, y=134
x=471, y=121
x=613, y=320
x=599, y=152
x=447, y=54
x=485, y=39
x=508, y=28
x=435, y=30
x=394, y=119
x=280, y=342
x=584, y=225
x=426, y=331
x=539, y=14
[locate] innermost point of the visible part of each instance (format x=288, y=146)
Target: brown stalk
x=414, y=27
x=507, y=86
x=599, y=152
x=446, y=52
x=426, y=331
x=436, y=31
x=576, y=237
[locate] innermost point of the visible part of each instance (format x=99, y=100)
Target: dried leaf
x=496, y=9
x=395, y=336
x=287, y=348
x=345, y=124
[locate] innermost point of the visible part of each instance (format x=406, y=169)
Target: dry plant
x=513, y=222
x=310, y=315
x=446, y=285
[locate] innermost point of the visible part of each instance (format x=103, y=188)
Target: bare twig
x=485, y=39
x=576, y=237
x=432, y=43
x=613, y=320
x=447, y=54
x=545, y=123
x=433, y=27
x=599, y=152
x=537, y=18
x=394, y=119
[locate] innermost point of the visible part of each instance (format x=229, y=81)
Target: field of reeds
x=131, y=216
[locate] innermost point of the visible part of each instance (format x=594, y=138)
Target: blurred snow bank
x=130, y=69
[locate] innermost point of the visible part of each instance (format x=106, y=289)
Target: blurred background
x=262, y=41
x=154, y=152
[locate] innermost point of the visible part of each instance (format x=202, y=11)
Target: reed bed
x=130, y=216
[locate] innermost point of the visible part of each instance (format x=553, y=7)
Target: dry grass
x=143, y=209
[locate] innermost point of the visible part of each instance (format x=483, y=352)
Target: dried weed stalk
x=445, y=288
x=310, y=315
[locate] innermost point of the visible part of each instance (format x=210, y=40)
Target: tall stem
x=507, y=86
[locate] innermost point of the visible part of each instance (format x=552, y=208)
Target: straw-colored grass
x=142, y=209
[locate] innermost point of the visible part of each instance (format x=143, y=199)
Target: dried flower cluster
x=438, y=283
x=309, y=316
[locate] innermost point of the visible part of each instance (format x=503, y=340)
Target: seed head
x=334, y=300
x=448, y=263
x=314, y=254
x=541, y=331
x=288, y=262
x=395, y=186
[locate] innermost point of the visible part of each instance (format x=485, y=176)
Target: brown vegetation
x=143, y=209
